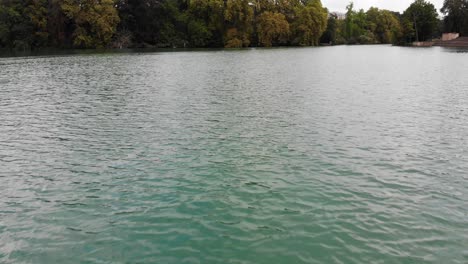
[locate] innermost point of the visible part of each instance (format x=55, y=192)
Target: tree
x=29, y=24
x=95, y=22
x=423, y=15
x=384, y=24
x=350, y=26
x=456, y=16
x=35, y=21
x=272, y=28
x=205, y=22
x=143, y=18
x=310, y=23
x=239, y=17
x=10, y=18
x=358, y=29
x=329, y=36
x=59, y=26
x=23, y=24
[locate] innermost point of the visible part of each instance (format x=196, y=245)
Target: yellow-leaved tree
x=310, y=23
x=272, y=28
x=95, y=22
x=239, y=16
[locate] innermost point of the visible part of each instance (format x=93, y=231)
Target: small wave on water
x=253, y=156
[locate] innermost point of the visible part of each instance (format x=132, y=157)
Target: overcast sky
x=393, y=5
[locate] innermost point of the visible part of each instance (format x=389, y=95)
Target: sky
x=393, y=5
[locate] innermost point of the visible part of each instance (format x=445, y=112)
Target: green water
x=308, y=155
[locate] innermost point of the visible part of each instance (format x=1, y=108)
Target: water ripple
x=333, y=155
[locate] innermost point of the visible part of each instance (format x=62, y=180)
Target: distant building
x=450, y=36
x=338, y=15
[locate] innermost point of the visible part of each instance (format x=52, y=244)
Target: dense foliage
x=30, y=24
x=422, y=15
x=375, y=26
x=26, y=24
x=456, y=16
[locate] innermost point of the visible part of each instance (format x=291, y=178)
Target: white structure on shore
x=450, y=36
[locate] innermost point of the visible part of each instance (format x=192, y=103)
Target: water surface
x=301, y=155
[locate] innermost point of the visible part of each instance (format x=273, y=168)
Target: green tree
x=310, y=23
x=205, y=22
x=350, y=26
x=456, y=16
x=59, y=27
x=23, y=24
x=384, y=24
x=144, y=19
x=358, y=28
x=330, y=34
x=10, y=18
x=423, y=16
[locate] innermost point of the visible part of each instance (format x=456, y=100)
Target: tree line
x=418, y=22
x=31, y=24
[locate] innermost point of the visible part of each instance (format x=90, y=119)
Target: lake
x=347, y=154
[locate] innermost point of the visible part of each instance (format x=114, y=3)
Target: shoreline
x=5, y=53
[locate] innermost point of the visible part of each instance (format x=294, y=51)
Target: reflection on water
x=456, y=50
x=302, y=155
x=49, y=52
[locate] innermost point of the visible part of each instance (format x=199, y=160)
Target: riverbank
x=61, y=52
x=461, y=42
x=66, y=52
x=457, y=42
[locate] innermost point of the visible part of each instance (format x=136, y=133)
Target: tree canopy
x=30, y=24
x=423, y=17
x=456, y=16
x=374, y=26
